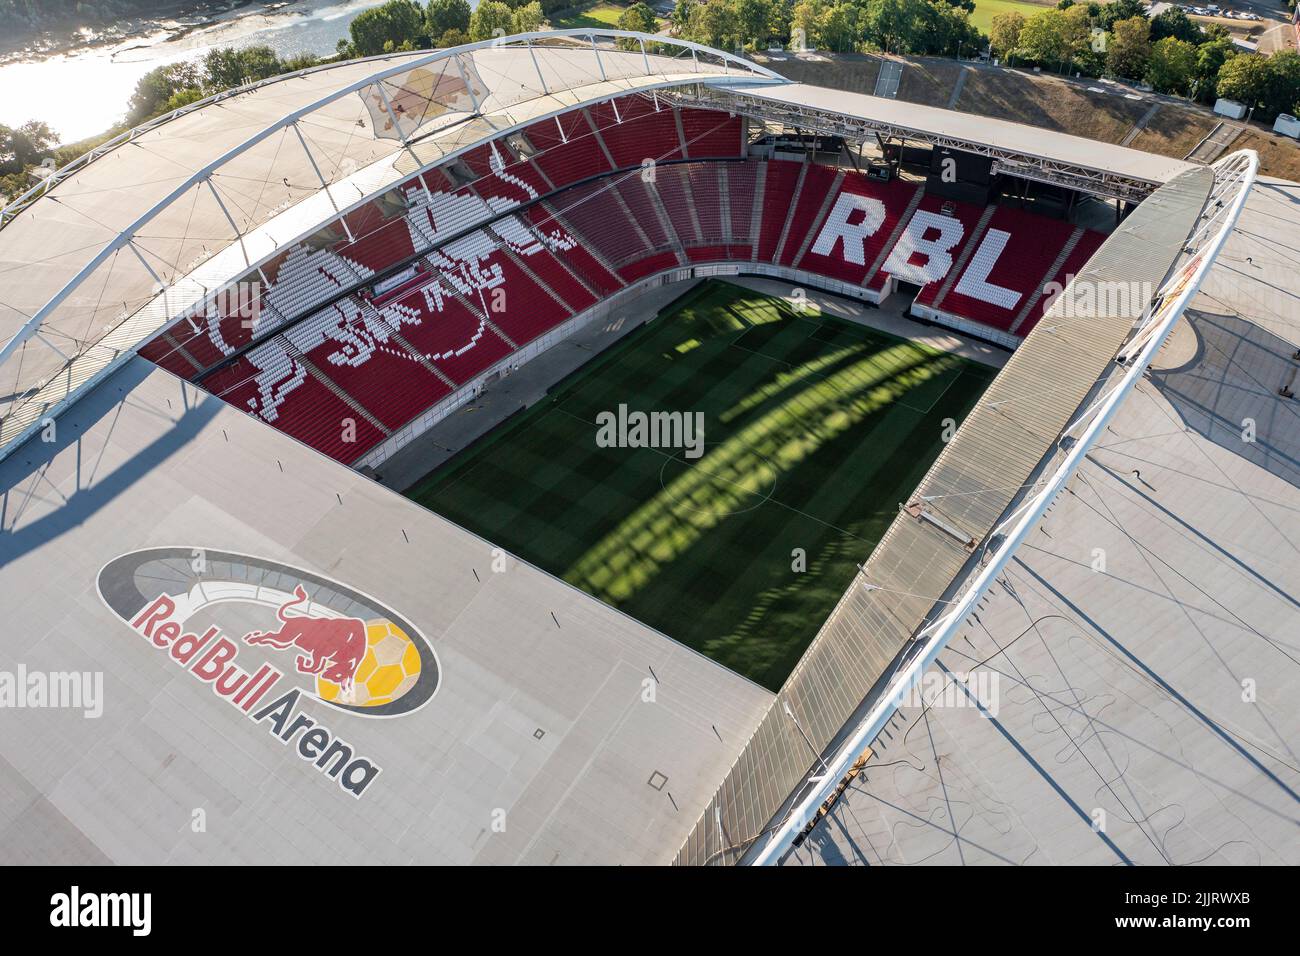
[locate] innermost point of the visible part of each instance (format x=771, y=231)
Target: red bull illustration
x=332, y=649
x=350, y=652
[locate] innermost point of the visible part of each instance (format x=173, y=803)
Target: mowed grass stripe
x=815, y=430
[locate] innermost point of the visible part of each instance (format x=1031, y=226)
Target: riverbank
x=20, y=43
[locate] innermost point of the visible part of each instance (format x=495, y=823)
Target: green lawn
x=596, y=15
x=986, y=10
x=815, y=431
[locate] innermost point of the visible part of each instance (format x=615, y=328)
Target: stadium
x=589, y=447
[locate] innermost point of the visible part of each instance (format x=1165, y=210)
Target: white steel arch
x=533, y=75
x=1234, y=176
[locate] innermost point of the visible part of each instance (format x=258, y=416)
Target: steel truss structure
x=1098, y=182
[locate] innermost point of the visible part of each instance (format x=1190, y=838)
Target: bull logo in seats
x=332, y=648
x=468, y=263
x=467, y=267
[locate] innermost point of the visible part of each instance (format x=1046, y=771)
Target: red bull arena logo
x=267, y=638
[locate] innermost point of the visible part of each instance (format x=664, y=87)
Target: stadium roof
x=1124, y=696
x=1019, y=148
x=538, y=745
x=178, y=209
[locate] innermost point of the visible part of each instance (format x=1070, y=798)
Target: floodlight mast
x=1239, y=168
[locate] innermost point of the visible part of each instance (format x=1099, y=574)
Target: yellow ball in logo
x=390, y=668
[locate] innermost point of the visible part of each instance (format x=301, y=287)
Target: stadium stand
x=451, y=335
x=361, y=353
x=652, y=135
x=376, y=321
x=1012, y=261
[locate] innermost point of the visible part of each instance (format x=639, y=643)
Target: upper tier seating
x=651, y=135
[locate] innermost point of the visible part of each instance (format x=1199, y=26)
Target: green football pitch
x=814, y=431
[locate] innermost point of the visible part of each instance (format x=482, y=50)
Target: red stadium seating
x=277, y=388
x=527, y=310
x=741, y=180
x=358, y=350
x=315, y=352
x=849, y=241
x=653, y=135
x=594, y=213
x=648, y=266
x=711, y=134
x=1088, y=244
x=1009, y=266
x=381, y=247
x=818, y=182
x=642, y=206
x=673, y=185
x=782, y=176
x=548, y=268
x=165, y=352
x=571, y=157
x=931, y=242
x=445, y=331
x=579, y=259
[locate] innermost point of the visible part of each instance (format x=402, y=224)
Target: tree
x=1172, y=67
x=754, y=20
x=26, y=145
x=1210, y=57
x=451, y=38
x=680, y=18
x=1283, y=91
x=1174, y=22
x=713, y=23
x=226, y=68
x=1043, y=38
x=528, y=17
x=158, y=86
x=945, y=29
x=1246, y=78
x=891, y=24
x=1129, y=48
x=806, y=23
x=639, y=18
x=396, y=24
x=444, y=15
x=1112, y=13
x=492, y=19
x=1004, y=32
x=839, y=28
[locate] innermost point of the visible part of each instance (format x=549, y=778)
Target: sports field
x=814, y=431
x=986, y=10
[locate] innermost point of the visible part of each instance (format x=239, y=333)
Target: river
x=83, y=93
